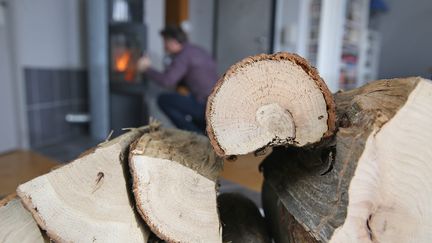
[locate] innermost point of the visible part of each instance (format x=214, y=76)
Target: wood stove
x=116, y=39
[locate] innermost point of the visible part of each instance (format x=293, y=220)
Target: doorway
x=242, y=28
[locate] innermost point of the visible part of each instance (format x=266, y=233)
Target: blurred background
x=68, y=67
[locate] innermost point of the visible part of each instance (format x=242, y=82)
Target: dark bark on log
x=282, y=225
x=154, y=239
x=312, y=183
x=241, y=220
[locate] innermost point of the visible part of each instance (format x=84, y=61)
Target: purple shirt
x=192, y=65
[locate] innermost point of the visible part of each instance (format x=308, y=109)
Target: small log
x=174, y=182
x=241, y=220
x=17, y=224
x=269, y=100
x=88, y=199
x=373, y=184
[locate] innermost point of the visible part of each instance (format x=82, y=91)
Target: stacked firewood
x=353, y=166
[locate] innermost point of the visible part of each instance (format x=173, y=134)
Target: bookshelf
x=333, y=35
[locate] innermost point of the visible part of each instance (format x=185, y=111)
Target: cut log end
x=283, y=101
x=174, y=179
x=17, y=224
x=186, y=148
x=87, y=200
x=176, y=202
x=277, y=121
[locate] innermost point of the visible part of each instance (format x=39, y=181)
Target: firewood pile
x=354, y=166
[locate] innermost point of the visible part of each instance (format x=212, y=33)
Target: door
x=243, y=28
x=8, y=108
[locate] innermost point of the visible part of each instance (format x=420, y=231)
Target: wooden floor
x=20, y=166
x=244, y=171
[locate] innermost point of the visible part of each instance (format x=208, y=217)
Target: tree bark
x=372, y=183
x=282, y=225
x=241, y=220
x=88, y=199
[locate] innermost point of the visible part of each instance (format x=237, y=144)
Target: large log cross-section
x=269, y=100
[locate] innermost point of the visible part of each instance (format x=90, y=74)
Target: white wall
x=406, y=48
x=8, y=125
x=49, y=33
x=201, y=14
x=44, y=34
x=155, y=20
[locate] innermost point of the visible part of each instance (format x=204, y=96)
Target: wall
x=406, y=39
x=48, y=39
x=49, y=33
x=51, y=94
x=8, y=125
x=155, y=20
x=201, y=14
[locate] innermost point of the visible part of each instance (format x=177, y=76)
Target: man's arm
x=172, y=74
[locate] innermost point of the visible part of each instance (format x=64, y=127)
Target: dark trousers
x=184, y=111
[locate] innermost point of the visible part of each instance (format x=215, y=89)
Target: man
x=193, y=67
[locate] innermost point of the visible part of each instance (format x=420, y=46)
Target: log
x=373, y=182
x=241, y=220
x=281, y=224
x=17, y=224
x=174, y=182
x=88, y=199
x=261, y=102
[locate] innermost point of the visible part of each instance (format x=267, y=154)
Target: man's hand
x=143, y=63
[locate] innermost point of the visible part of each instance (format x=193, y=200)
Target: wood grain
x=17, y=224
x=313, y=184
x=269, y=100
x=174, y=183
x=88, y=200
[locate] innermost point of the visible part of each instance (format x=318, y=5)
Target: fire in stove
x=122, y=61
x=125, y=63
x=124, y=57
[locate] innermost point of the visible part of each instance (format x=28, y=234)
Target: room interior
x=69, y=79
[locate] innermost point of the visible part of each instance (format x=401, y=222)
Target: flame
x=125, y=63
x=122, y=61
